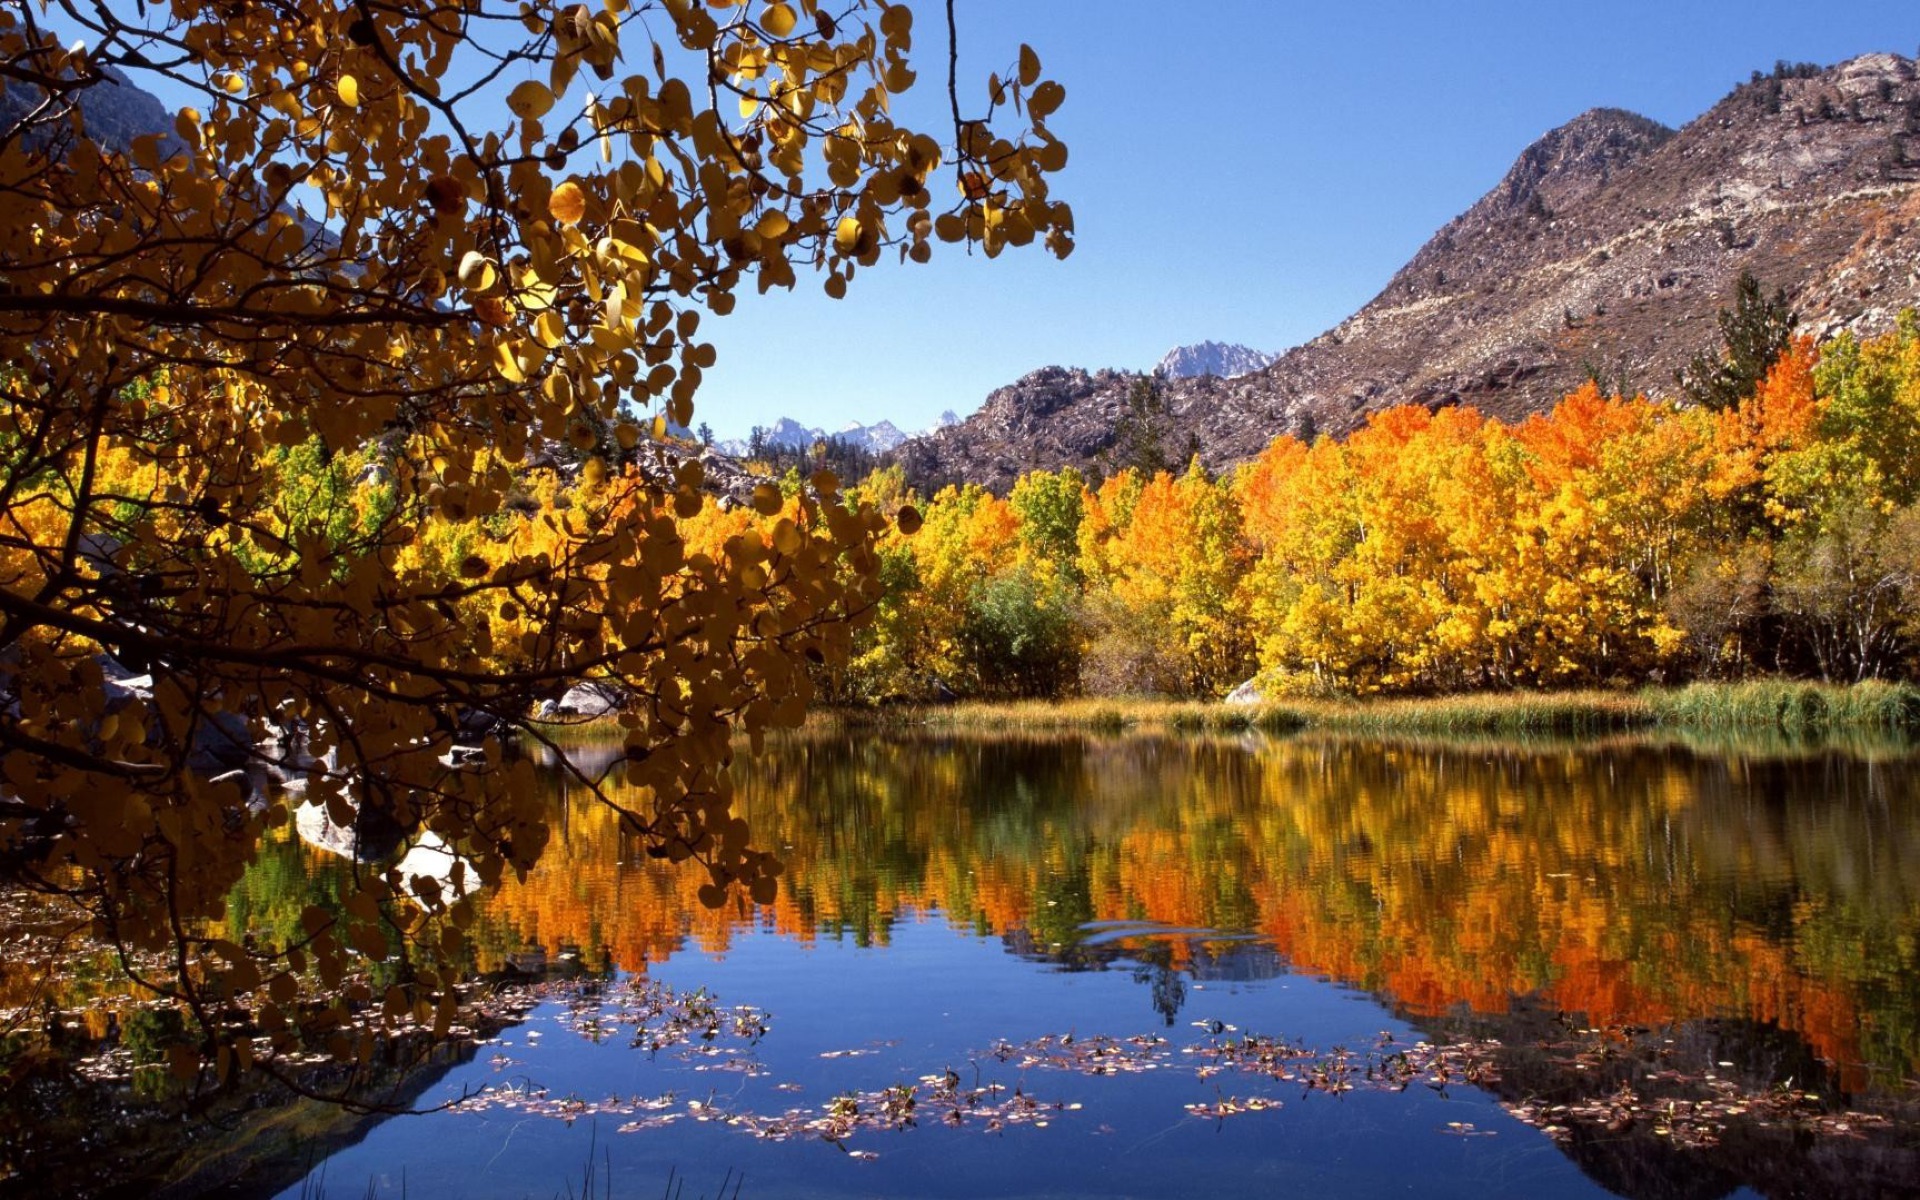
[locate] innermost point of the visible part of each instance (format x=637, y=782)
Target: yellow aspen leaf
x=787, y=538
x=1045, y=99
x=568, y=204
x=530, y=100
x=772, y=225
x=778, y=20
x=492, y=310
x=348, y=89
x=507, y=363
x=1029, y=66
x=767, y=500
x=909, y=520
x=846, y=235
x=477, y=272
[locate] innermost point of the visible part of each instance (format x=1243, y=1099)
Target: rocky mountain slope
x=1212, y=358
x=1606, y=253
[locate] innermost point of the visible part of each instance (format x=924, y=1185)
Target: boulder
x=1245, y=694
x=590, y=700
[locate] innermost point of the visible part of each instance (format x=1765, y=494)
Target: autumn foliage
x=1613, y=540
x=330, y=435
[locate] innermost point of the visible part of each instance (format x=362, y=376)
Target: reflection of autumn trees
x=1638, y=884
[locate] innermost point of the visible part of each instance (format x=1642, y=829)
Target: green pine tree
x=1756, y=331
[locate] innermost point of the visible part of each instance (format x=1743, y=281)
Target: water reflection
x=1632, y=883
x=1697, y=960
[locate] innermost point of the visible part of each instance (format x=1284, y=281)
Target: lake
x=1157, y=966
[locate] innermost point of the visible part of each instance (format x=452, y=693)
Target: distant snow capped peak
x=1212, y=358
x=789, y=434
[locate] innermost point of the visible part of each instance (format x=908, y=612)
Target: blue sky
x=1242, y=170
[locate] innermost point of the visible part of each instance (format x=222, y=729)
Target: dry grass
x=1787, y=705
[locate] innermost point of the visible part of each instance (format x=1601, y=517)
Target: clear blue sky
x=1242, y=170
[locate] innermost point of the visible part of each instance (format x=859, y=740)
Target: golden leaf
x=846, y=235
x=1047, y=97
x=530, y=100
x=778, y=20
x=1029, y=66
x=477, y=272
x=568, y=204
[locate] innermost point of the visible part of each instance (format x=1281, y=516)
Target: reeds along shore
x=1760, y=704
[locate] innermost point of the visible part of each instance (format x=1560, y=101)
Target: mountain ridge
x=1605, y=252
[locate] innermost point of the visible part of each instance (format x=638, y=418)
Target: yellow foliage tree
x=519, y=214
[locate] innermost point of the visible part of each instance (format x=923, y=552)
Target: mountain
x=1606, y=252
x=115, y=112
x=787, y=433
x=1212, y=358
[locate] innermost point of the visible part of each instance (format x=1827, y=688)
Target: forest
x=1611, y=541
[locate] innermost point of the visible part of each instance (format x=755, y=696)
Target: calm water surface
x=1100, y=923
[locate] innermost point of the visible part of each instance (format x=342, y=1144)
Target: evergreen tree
x=1756, y=330
x=1139, y=437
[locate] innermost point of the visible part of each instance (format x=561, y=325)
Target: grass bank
x=1791, y=706
x=1111, y=715
x=1788, y=704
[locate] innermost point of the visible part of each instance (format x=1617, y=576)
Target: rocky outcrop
x=1606, y=252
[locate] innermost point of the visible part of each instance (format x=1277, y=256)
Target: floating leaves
x=1633, y=1087
x=1233, y=1107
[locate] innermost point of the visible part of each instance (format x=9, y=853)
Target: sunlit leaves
x=568, y=204
x=274, y=448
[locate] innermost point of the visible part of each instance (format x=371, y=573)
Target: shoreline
x=1791, y=706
